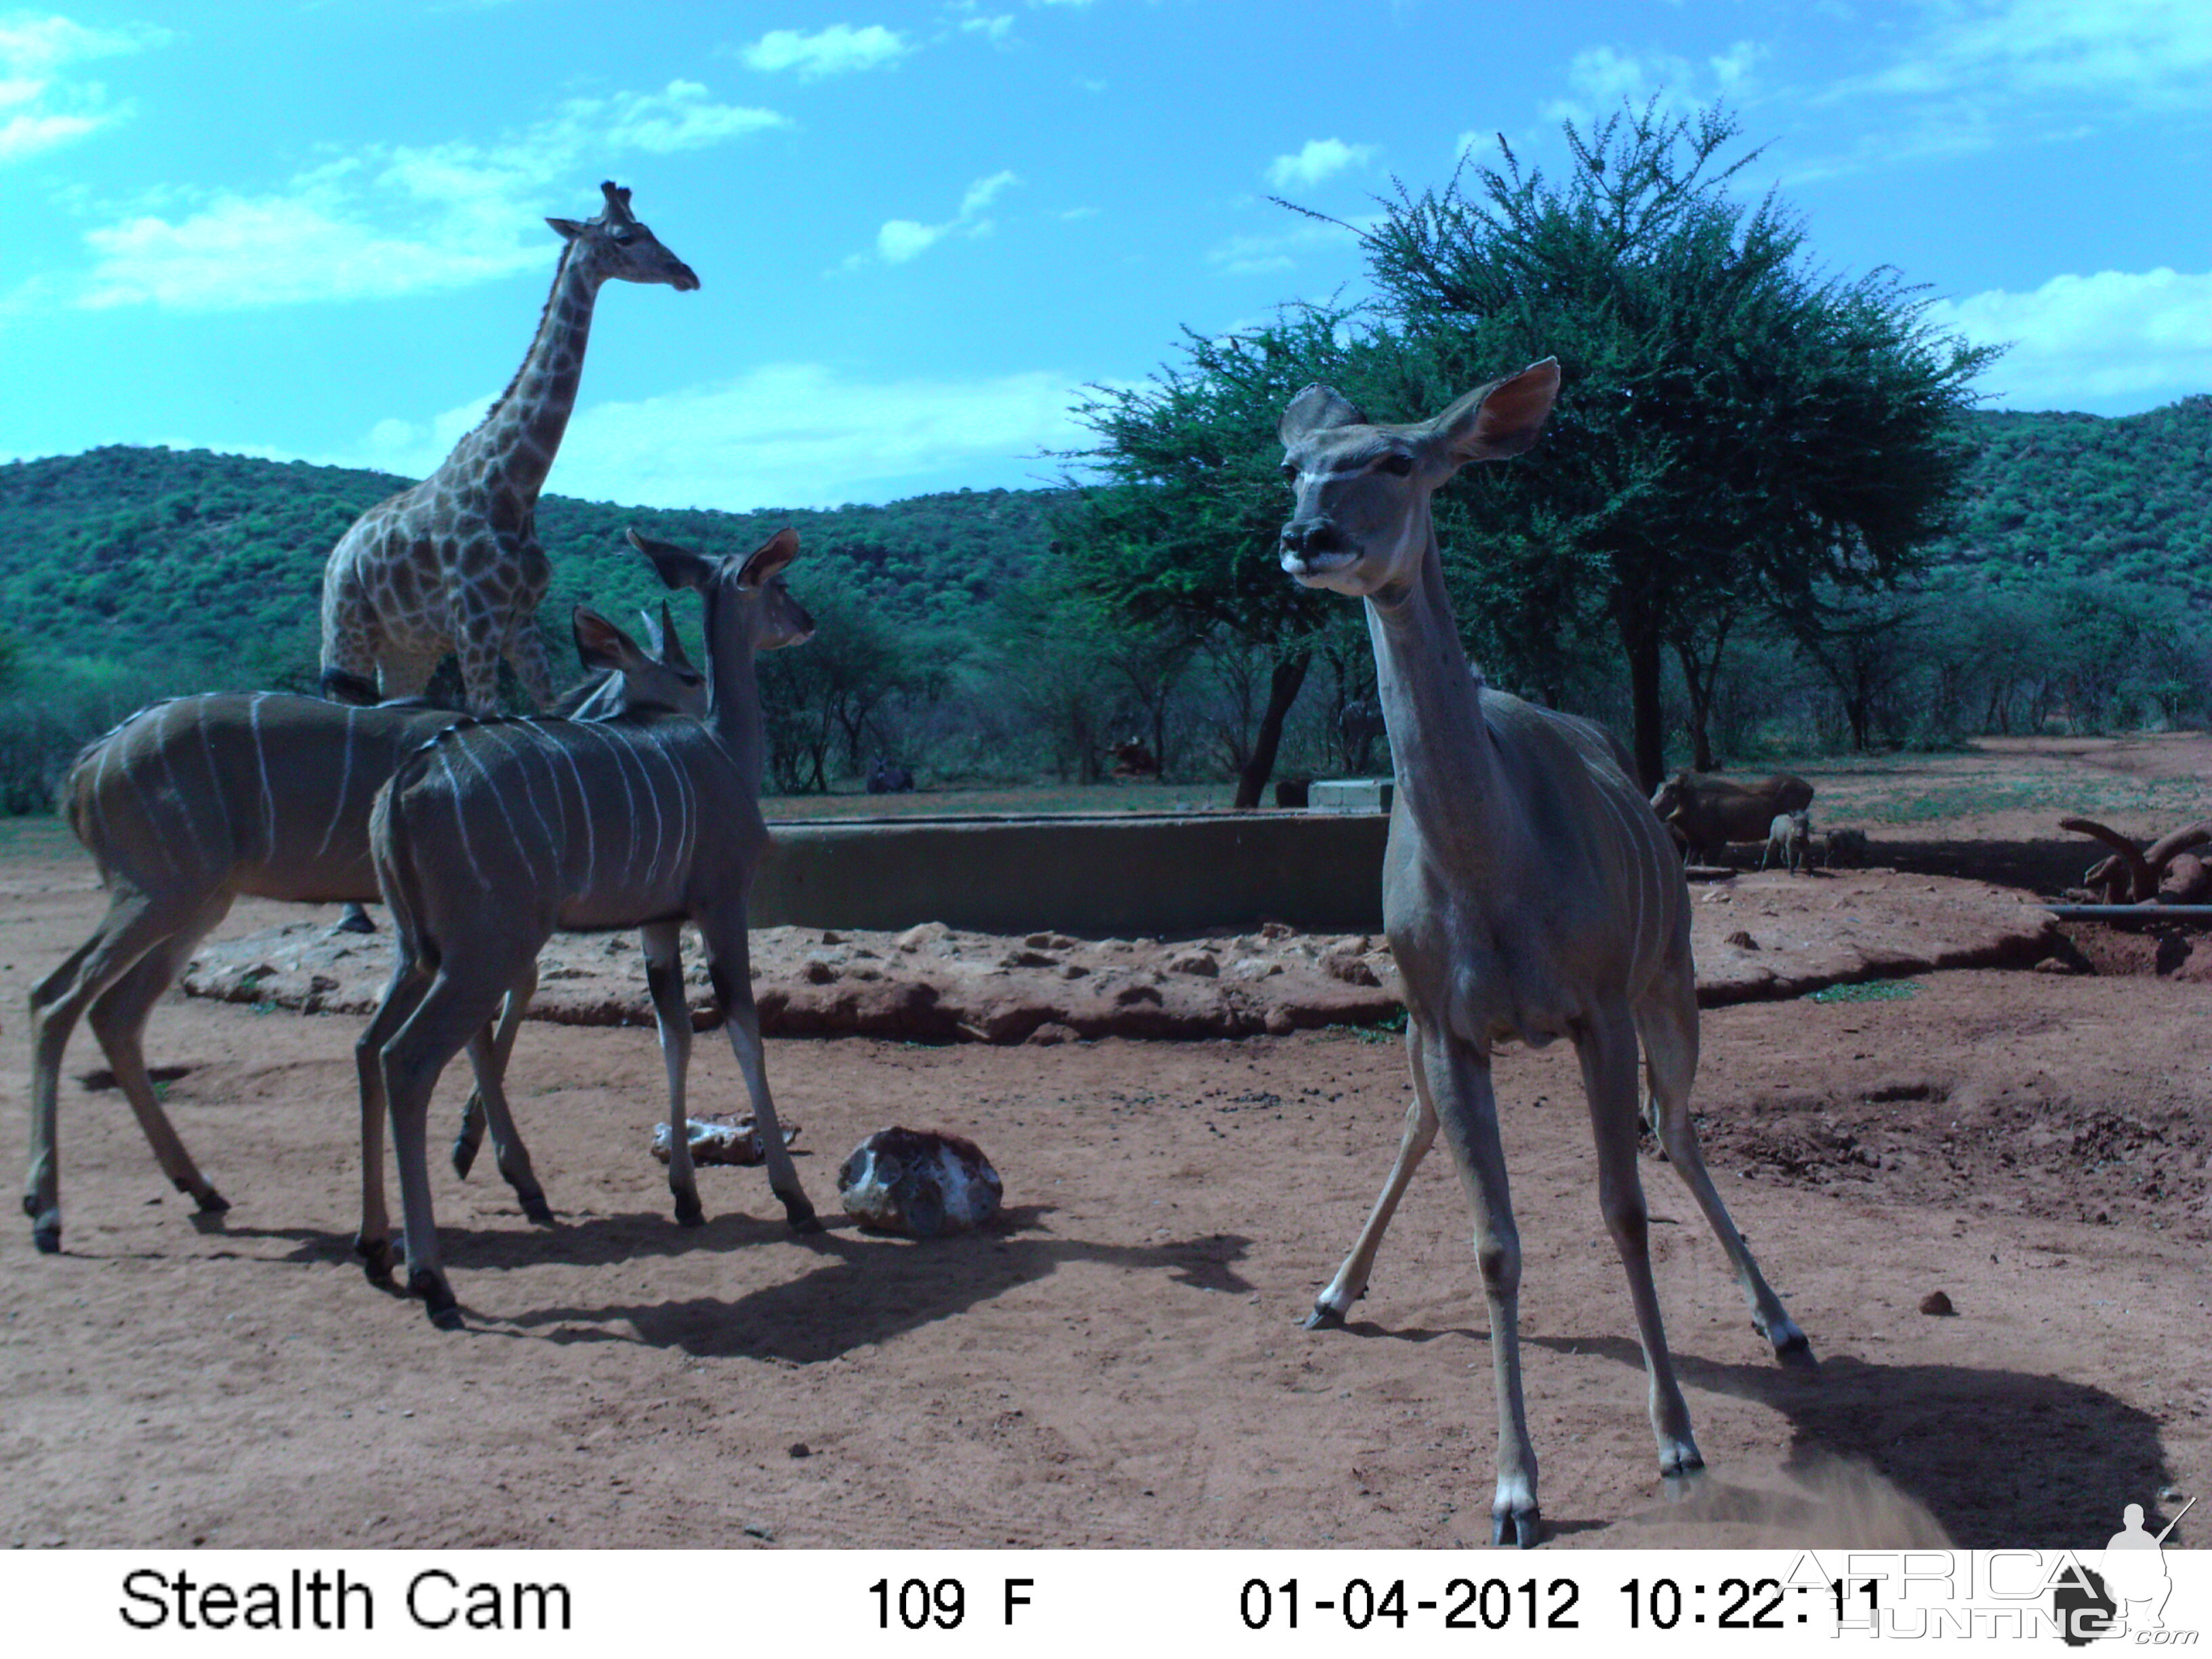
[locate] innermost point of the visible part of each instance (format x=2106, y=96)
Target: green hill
x=2057, y=495
x=162, y=556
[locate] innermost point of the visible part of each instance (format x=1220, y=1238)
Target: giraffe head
x=620, y=247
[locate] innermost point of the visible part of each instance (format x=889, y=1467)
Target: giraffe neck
x=519, y=438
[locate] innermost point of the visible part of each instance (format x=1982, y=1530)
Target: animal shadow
x=868, y=1289
x=2001, y=1458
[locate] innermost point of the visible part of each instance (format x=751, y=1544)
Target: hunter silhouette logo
x=2129, y=1598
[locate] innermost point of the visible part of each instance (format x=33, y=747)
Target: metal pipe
x=2132, y=911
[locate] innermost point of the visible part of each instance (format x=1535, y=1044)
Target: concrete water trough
x=1126, y=874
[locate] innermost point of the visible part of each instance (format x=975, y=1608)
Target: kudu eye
x=1398, y=466
x=1289, y=472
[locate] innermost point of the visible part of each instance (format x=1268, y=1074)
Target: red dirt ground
x=1116, y=1362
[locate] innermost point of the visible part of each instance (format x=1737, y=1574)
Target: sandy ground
x=1116, y=1362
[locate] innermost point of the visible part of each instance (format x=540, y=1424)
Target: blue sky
x=317, y=230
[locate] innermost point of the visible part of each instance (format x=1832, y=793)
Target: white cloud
x=1261, y=255
x=993, y=29
x=471, y=212
x=2153, y=53
x=838, y=50
x=1321, y=159
x=34, y=50
x=899, y=241
x=1600, y=78
x=2116, y=339
x=981, y=194
x=786, y=435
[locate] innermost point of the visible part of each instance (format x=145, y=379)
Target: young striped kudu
x=1528, y=891
x=190, y=803
x=499, y=832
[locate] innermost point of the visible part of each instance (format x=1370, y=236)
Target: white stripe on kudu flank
x=268, y=794
x=183, y=800
x=629, y=795
x=583, y=810
x=345, y=784
x=460, y=817
x=498, y=799
x=215, y=777
x=515, y=751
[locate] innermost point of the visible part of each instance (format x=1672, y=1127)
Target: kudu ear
x=679, y=567
x=1500, y=419
x=600, y=644
x=1316, y=409
x=569, y=229
x=667, y=644
x=769, y=558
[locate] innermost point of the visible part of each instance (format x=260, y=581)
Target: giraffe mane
x=568, y=252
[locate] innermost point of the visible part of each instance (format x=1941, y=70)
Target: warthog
x=1790, y=837
x=1706, y=811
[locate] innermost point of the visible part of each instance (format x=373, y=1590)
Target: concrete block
x=1351, y=794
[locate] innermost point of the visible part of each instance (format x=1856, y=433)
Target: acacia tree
x=1733, y=427
x=1181, y=528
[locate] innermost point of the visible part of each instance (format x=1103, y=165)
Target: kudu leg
x=117, y=1018
x=134, y=925
x=1335, y=1300
x=489, y=1099
x=1669, y=1031
x=1455, y=1077
x=1607, y=1048
x=663, y=944
x=410, y=980
x=448, y=1015
x=494, y=1047
x=729, y=968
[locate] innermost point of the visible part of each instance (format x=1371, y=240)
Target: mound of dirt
x=1755, y=936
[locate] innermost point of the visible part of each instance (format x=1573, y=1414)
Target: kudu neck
x=734, y=708
x=1431, y=705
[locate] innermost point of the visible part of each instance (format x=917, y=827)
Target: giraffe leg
x=480, y=640
x=526, y=651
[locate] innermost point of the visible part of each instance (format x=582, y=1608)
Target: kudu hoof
x=354, y=922
x=465, y=1156
x=689, y=1213
x=801, y=1216
x=438, y=1298
x=1796, y=1352
x=535, y=1207
x=1521, y=1529
x=47, y=1236
x=376, y=1259
x=211, y=1202
x=1323, y=1318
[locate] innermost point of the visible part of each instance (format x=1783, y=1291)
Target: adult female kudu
x=497, y=833
x=1528, y=891
x=190, y=803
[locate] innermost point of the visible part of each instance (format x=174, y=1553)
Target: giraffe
x=453, y=564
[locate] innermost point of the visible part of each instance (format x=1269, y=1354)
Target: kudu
x=191, y=803
x=1529, y=892
x=496, y=833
